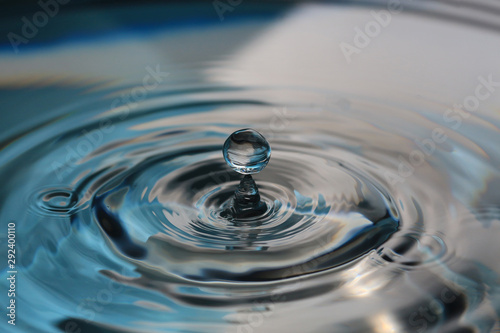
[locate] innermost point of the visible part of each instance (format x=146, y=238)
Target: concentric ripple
x=154, y=199
x=332, y=216
x=381, y=200
x=53, y=201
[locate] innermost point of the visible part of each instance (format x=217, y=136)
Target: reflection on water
x=381, y=197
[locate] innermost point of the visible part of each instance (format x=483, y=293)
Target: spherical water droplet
x=247, y=151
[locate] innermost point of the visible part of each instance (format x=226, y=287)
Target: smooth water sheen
x=380, y=205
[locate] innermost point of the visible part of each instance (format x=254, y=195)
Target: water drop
x=247, y=151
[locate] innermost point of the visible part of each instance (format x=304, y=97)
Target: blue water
x=120, y=170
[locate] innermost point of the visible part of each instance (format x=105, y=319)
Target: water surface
x=382, y=194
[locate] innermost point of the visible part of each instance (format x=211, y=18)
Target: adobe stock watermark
x=223, y=6
x=90, y=140
x=453, y=118
x=371, y=30
x=31, y=26
x=281, y=120
x=430, y=312
x=88, y=308
x=255, y=319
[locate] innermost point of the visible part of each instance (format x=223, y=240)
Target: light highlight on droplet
x=247, y=151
